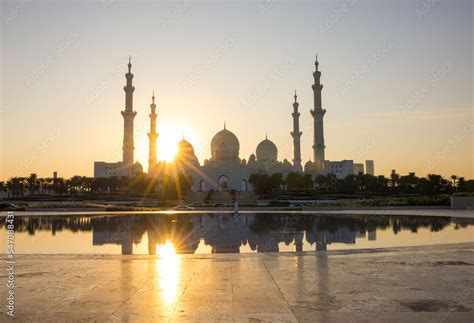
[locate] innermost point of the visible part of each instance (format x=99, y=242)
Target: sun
x=166, y=145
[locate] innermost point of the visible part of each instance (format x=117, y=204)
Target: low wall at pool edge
x=462, y=202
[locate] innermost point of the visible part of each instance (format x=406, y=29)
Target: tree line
x=170, y=185
x=176, y=184
x=432, y=184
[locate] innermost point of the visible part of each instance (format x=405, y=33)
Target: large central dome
x=225, y=146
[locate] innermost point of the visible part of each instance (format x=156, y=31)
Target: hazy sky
x=397, y=80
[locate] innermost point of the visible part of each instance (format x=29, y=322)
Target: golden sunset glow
x=167, y=143
x=168, y=138
x=237, y=161
x=168, y=270
x=166, y=251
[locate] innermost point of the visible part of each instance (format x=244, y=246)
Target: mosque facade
x=225, y=170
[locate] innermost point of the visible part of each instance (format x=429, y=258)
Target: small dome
x=252, y=160
x=267, y=151
x=225, y=146
x=309, y=166
x=185, y=148
x=185, y=152
x=137, y=168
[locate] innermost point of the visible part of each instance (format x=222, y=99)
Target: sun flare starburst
x=166, y=250
x=166, y=145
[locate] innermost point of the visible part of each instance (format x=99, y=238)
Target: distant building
x=358, y=168
x=103, y=169
x=341, y=168
x=369, y=167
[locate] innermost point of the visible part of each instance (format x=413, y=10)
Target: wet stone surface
x=431, y=283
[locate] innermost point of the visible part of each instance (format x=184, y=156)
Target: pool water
x=227, y=233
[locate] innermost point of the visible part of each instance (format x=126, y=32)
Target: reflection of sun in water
x=166, y=251
x=168, y=268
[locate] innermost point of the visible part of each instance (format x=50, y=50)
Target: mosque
x=225, y=170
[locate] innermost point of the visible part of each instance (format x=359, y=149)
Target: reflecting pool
x=167, y=235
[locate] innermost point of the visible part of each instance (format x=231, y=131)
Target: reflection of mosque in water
x=223, y=233
x=226, y=233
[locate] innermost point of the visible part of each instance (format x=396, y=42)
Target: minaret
x=152, y=136
x=318, y=114
x=296, y=134
x=128, y=116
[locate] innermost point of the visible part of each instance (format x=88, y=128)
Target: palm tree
x=382, y=184
x=276, y=181
x=60, y=186
x=348, y=185
x=370, y=183
x=454, y=178
x=259, y=182
x=75, y=184
x=87, y=183
x=124, y=182
x=42, y=184
x=32, y=183
x=321, y=181
x=408, y=183
x=9, y=186
x=461, y=184
x=15, y=186
x=292, y=181
x=3, y=187
x=331, y=181
x=307, y=182
x=360, y=182
x=99, y=184
x=48, y=182
x=436, y=182
x=394, y=178
x=114, y=183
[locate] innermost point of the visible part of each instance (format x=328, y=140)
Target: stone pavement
x=415, y=284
